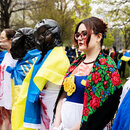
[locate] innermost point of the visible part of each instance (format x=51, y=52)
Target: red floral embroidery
x=85, y=99
x=75, y=61
x=96, y=77
x=94, y=66
x=95, y=102
x=102, y=61
x=116, y=78
x=108, y=65
x=85, y=111
x=105, y=83
x=99, y=67
x=71, y=68
x=105, y=87
x=102, y=92
x=91, y=93
x=87, y=84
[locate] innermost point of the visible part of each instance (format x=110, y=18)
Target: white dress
x=48, y=98
x=5, y=82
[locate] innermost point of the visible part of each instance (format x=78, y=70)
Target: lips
x=80, y=44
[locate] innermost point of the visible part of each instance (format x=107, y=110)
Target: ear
x=99, y=37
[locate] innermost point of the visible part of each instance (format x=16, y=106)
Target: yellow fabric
x=18, y=109
x=69, y=85
x=124, y=58
x=12, y=89
x=53, y=69
x=15, y=91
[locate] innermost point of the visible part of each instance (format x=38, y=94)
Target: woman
x=92, y=85
x=5, y=80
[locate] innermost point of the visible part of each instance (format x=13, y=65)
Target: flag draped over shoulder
x=20, y=71
x=18, y=74
x=52, y=68
x=126, y=57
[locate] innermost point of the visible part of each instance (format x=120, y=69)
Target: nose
x=80, y=37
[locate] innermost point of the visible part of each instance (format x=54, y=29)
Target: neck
x=9, y=47
x=92, y=55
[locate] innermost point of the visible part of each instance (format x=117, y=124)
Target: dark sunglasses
x=83, y=34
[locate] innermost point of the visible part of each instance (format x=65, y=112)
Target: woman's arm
x=76, y=127
x=57, y=118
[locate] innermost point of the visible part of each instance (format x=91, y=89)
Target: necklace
x=89, y=62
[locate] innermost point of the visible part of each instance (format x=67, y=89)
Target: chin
x=83, y=49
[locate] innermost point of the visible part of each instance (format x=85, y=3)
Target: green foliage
x=66, y=12
x=63, y=12
x=117, y=12
x=126, y=34
x=82, y=10
x=109, y=40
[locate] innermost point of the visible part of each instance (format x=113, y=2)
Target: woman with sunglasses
x=91, y=89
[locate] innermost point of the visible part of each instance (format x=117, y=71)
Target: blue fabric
x=119, y=64
x=78, y=95
x=23, y=66
x=2, y=54
x=122, y=119
x=32, y=110
x=127, y=54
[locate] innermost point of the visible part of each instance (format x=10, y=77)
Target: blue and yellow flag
x=51, y=68
x=126, y=56
x=18, y=74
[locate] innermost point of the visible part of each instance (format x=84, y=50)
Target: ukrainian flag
x=126, y=56
x=51, y=68
x=18, y=74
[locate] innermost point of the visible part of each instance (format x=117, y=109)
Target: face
x=81, y=37
x=4, y=42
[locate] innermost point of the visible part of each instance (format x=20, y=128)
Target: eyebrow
x=82, y=31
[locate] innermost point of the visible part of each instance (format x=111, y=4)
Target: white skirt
x=71, y=114
x=48, y=99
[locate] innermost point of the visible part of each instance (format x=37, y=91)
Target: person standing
x=91, y=89
x=114, y=54
x=41, y=86
x=71, y=53
x=6, y=37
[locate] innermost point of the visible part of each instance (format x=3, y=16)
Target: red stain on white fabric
x=45, y=118
x=1, y=79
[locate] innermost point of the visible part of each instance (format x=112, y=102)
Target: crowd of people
x=46, y=87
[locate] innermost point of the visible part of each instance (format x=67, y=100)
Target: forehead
x=81, y=27
x=3, y=34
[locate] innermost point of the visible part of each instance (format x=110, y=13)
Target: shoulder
x=105, y=60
